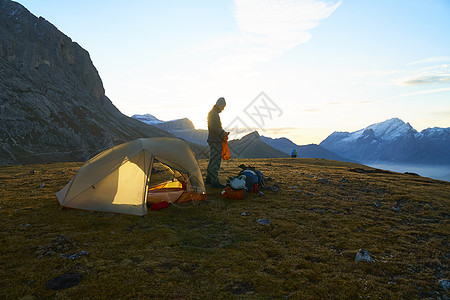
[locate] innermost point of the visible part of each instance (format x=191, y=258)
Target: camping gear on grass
x=117, y=179
x=159, y=205
x=229, y=193
x=237, y=183
x=253, y=180
x=256, y=181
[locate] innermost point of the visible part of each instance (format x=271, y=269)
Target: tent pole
x=147, y=181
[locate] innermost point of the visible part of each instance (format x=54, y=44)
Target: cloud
x=427, y=80
x=434, y=59
x=434, y=74
x=267, y=29
x=281, y=131
x=438, y=68
x=421, y=93
x=445, y=114
x=378, y=73
x=280, y=24
x=310, y=110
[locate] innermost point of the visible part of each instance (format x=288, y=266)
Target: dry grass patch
x=321, y=217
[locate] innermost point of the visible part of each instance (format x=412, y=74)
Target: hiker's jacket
x=215, y=132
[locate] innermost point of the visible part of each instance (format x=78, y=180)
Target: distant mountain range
x=305, y=151
x=392, y=141
x=250, y=146
x=182, y=128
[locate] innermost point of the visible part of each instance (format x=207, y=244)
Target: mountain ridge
x=392, y=141
x=303, y=151
x=53, y=105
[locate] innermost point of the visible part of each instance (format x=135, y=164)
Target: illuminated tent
x=117, y=179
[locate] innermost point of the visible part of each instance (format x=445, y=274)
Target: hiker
x=216, y=134
x=294, y=153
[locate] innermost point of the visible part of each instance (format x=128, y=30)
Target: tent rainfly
x=117, y=179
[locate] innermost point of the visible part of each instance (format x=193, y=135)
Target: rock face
x=392, y=141
x=52, y=102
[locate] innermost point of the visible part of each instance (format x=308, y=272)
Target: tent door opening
x=165, y=184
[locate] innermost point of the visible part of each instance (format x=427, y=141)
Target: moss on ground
x=210, y=250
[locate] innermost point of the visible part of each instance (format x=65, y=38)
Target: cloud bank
x=267, y=29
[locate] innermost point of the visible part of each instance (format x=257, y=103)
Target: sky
x=301, y=69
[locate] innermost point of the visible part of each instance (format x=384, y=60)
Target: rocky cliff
x=53, y=105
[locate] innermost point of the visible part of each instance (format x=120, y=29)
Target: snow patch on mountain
x=147, y=118
x=388, y=130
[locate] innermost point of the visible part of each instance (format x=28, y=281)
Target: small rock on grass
x=75, y=255
x=363, y=255
x=263, y=221
x=444, y=284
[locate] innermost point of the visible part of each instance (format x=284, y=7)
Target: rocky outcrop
x=53, y=105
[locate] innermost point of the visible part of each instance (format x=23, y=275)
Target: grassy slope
x=209, y=250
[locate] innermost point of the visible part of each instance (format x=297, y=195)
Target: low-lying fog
x=431, y=171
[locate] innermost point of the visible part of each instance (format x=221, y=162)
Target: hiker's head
x=220, y=103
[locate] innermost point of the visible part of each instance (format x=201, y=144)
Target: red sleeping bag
x=159, y=205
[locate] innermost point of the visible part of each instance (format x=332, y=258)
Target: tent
x=117, y=179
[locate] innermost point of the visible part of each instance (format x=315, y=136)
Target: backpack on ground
x=254, y=178
x=256, y=181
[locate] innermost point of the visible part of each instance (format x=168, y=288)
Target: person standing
x=294, y=153
x=216, y=135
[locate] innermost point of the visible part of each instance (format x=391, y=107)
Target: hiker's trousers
x=215, y=158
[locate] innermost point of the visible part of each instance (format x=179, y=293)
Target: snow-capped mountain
x=392, y=141
x=181, y=128
x=147, y=118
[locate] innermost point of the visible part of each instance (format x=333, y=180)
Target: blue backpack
x=252, y=176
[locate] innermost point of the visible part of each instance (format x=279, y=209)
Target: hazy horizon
x=440, y=172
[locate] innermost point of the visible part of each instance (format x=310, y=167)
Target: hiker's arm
x=216, y=127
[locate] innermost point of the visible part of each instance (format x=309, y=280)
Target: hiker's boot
x=208, y=180
x=217, y=185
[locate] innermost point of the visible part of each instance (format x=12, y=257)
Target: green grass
x=208, y=250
